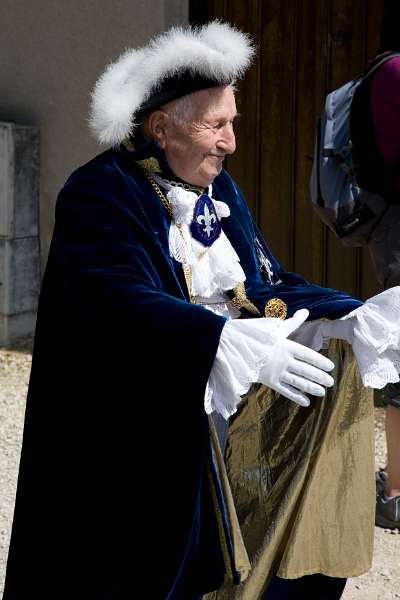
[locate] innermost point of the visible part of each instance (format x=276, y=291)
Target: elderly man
x=153, y=256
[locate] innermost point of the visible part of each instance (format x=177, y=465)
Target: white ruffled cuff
x=376, y=342
x=375, y=337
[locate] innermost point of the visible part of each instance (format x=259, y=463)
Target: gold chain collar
x=164, y=200
x=184, y=186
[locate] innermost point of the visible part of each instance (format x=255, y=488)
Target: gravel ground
x=14, y=374
x=382, y=582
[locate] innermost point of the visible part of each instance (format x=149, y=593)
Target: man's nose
x=227, y=142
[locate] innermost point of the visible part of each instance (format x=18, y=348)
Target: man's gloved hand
x=294, y=370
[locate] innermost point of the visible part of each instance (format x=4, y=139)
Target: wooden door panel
x=245, y=163
x=305, y=49
x=277, y=124
x=309, y=234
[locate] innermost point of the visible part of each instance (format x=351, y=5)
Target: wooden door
x=305, y=49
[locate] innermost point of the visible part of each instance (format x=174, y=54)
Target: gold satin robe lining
x=303, y=481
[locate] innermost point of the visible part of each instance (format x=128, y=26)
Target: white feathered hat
x=173, y=64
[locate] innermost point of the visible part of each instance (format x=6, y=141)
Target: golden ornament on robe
x=275, y=308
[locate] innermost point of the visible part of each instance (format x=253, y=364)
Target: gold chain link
x=187, y=271
x=164, y=200
x=184, y=186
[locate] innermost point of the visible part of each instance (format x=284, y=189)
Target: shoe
x=387, y=514
x=380, y=478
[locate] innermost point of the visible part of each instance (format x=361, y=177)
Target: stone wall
x=19, y=230
x=52, y=53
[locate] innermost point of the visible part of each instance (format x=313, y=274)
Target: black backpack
x=350, y=189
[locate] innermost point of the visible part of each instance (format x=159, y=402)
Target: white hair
x=185, y=109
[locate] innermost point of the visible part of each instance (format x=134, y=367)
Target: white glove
x=256, y=350
x=294, y=370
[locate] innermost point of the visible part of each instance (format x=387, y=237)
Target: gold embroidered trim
x=275, y=308
x=187, y=272
x=128, y=145
x=149, y=164
x=240, y=300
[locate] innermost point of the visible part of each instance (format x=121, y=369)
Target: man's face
x=195, y=150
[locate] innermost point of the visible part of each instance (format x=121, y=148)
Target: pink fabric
x=385, y=100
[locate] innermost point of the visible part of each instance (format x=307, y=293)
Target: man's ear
x=156, y=127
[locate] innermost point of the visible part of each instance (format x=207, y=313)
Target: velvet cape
x=112, y=493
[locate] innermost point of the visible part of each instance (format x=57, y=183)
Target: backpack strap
x=391, y=195
x=378, y=62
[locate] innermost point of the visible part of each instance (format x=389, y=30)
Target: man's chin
x=215, y=172
x=206, y=178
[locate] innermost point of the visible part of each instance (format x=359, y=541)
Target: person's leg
x=388, y=481
x=310, y=587
x=393, y=450
x=392, y=391
x=387, y=513
x=385, y=253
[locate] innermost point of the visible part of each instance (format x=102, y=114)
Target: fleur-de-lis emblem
x=205, y=226
x=208, y=219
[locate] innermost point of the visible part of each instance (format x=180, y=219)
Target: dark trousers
x=309, y=587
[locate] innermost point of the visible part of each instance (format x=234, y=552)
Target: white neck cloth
x=214, y=269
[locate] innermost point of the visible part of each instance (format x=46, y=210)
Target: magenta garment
x=385, y=101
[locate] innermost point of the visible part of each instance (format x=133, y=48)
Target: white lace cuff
x=375, y=337
x=376, y=342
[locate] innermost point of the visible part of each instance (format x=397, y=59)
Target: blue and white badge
x=264, y=262
x=205, y=226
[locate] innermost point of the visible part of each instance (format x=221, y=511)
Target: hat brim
x=173, y=88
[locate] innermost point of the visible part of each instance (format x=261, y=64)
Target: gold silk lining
x=240, y=557
x=303, y=481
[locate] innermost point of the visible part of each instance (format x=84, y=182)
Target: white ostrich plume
x=216, y=51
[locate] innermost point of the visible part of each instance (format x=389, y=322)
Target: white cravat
x=214, y=269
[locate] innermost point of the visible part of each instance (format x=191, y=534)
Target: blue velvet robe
x=112, y=492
